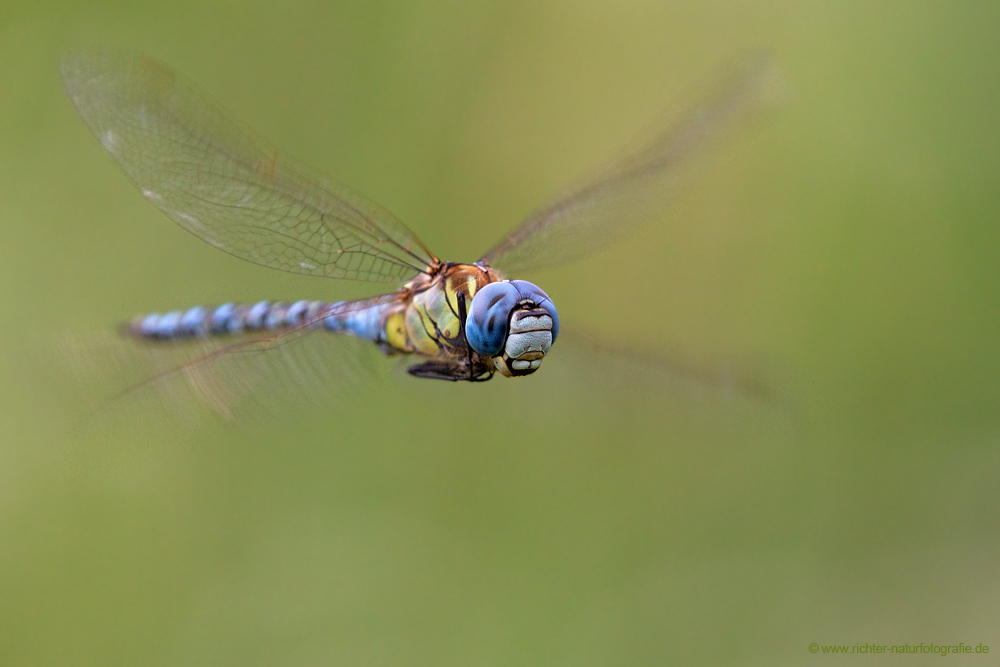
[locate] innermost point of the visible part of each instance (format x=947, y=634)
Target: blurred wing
x=606, y=357
x=628, y=191
x=227, y=185
x=630, y=378
x=237, y=377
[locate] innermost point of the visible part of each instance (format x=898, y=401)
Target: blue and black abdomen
x=230, y=319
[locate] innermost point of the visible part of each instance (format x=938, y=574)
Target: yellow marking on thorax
x=432, y=323
x=417, y=333
x=435, y=309
x=452, y=288
x=395, y=332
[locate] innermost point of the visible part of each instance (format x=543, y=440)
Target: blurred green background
x=845, y=251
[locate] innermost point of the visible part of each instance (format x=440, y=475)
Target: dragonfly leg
x=461, y=331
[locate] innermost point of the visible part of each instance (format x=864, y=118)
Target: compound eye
x=541, y=299
x=489, y=313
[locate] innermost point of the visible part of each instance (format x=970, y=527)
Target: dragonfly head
x=513, y=322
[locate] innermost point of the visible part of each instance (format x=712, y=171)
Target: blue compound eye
x=486, y=323
x=541, y=299
x=486, y=326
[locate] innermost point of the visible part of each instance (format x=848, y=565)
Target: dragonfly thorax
x=515, y=323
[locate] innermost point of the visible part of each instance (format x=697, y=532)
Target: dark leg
x=461, y=330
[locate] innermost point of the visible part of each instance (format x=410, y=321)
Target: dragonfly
x=226, y=184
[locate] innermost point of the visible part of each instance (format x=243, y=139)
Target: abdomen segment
x=365, y=318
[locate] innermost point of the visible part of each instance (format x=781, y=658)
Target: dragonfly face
x=515, y=323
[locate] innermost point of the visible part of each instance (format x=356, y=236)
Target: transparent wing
x=235, y=377
x=629, y=190
x=254, y=389
x=607, y=357
x=226, y=184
